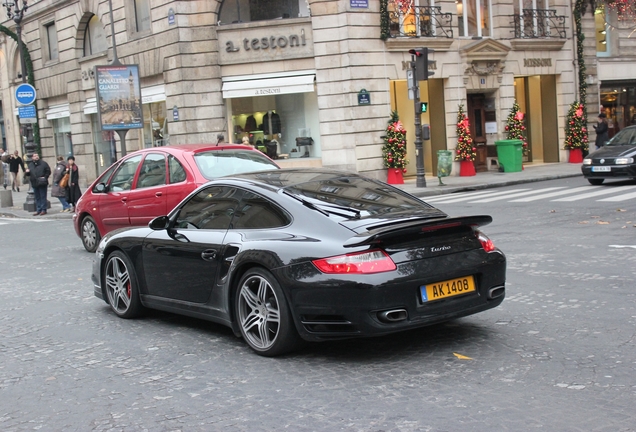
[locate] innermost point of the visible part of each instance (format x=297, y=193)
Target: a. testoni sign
x=250, y=44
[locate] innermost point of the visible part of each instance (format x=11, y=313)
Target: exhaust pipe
x=495, y=292
x=393, y=315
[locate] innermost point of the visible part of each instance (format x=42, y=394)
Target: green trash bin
x=510, y=155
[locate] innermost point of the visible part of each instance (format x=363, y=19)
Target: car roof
x=196, y=148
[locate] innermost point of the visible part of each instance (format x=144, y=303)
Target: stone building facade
x=313, y=77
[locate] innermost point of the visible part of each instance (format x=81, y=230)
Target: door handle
x=208, y=254
x=158, y=194
x=124, y=199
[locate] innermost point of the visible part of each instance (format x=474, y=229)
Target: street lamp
x=16, y=13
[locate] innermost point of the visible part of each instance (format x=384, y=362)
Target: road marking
x=466, y=198
x=623, y=246
x=6, y=221
x=553, y=194
x=605, y=191
x=456, y=195
x=514, y=195
x=623, y=197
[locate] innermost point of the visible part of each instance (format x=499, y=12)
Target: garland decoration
x=384, y=20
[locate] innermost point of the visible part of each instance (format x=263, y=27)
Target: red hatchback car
x=150, y=182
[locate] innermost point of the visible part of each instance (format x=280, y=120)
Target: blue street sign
x=27, y=114
x=25, y=94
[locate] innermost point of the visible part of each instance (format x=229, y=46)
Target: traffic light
x=423, y=107
x=421, y=63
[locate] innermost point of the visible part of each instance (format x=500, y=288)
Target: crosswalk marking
x=623, y=197
x=8, y=221
x=465, y=198
x=513, y=195
x=553, y=194
x=606, y=191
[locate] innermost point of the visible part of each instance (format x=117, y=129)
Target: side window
x=212, y=208
x=123, y=178
x=105, y=176
x=177, y=173
x=153, y=171
x=256, y=212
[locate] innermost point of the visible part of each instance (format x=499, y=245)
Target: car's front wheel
x=263, y=314
x=122, y=288
x=89, y=234
x=596, y=182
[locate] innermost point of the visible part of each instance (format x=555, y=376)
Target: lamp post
x=16, y=13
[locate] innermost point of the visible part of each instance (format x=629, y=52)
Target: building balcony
x=538, y=24
x=420, y=22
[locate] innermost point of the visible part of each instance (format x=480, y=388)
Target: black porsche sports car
x=290, y=255
x=616, y=160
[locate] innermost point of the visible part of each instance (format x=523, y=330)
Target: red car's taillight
x=375, y=261
x=486, y=243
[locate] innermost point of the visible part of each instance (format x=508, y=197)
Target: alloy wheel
x=259, y=312
x=118, y=285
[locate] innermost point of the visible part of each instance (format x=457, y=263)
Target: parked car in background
x=150, y=182
x=616, y=160
x=291, y=255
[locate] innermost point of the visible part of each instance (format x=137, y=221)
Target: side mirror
x=100, y=187
x=159, y=223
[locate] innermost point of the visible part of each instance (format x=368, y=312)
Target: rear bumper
x=354, y=307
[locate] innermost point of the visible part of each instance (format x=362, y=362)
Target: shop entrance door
x=477, y=117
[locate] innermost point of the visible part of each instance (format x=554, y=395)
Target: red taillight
x=375, y=261
x=486, y=243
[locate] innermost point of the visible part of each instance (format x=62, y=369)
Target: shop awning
x=58, y=111
x=153, y=94
x=90, y=107
x=268, y=84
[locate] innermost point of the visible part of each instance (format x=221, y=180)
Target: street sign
x=25, y=94
x=27, y=114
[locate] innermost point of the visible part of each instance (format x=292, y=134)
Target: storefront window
x=233, y=11
x=155, y=133
x=62, y=136
x=618, y=100
x=602, y=32
x=104, y=142
x=282, y=124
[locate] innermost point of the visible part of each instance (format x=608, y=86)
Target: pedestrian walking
x=15, y=163
x=601, y=129
x=60, y=188
x=74, y=192
x=39, y=172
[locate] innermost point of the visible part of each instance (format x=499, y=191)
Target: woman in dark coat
x=74, y=192
x=601, y=131
x=57, y=190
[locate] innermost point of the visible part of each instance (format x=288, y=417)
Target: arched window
x=94, y=37
x=235, y=11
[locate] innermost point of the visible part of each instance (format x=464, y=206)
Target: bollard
x=6, y=198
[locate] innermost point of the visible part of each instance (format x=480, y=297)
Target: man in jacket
x=39, y=173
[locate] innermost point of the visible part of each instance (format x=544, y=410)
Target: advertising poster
x=119, y=97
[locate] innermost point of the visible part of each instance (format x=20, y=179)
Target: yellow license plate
x=448, y=288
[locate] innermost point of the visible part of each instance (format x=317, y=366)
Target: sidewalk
x=483, y=180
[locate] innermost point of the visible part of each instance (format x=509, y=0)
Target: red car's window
x=219, y=163
x=153, y=171
x=123, y=178
x=176, y=171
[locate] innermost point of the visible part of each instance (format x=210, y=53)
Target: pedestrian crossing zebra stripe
x=623, y=197
x=456, y=195
x=513, y=195
x=605, y=191
x=452, y=199
x=553, y=194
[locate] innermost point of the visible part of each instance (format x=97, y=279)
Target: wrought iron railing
x=420, y=21
x=539, y=23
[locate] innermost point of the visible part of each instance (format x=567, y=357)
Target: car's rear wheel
x=89, y=234
x=596, y=182
x=263, y=314
x=122, y=288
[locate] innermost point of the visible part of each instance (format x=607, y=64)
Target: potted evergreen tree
x=394, y=150
x=465, y=152
x=576, y=132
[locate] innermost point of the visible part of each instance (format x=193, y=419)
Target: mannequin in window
x=250, y=123
x=273, y=119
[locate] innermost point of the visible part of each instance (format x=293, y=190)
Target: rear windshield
x=368, y=197
x=624, y=138
x=219, y=163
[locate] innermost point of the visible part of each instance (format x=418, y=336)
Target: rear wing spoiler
x=379, y=233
